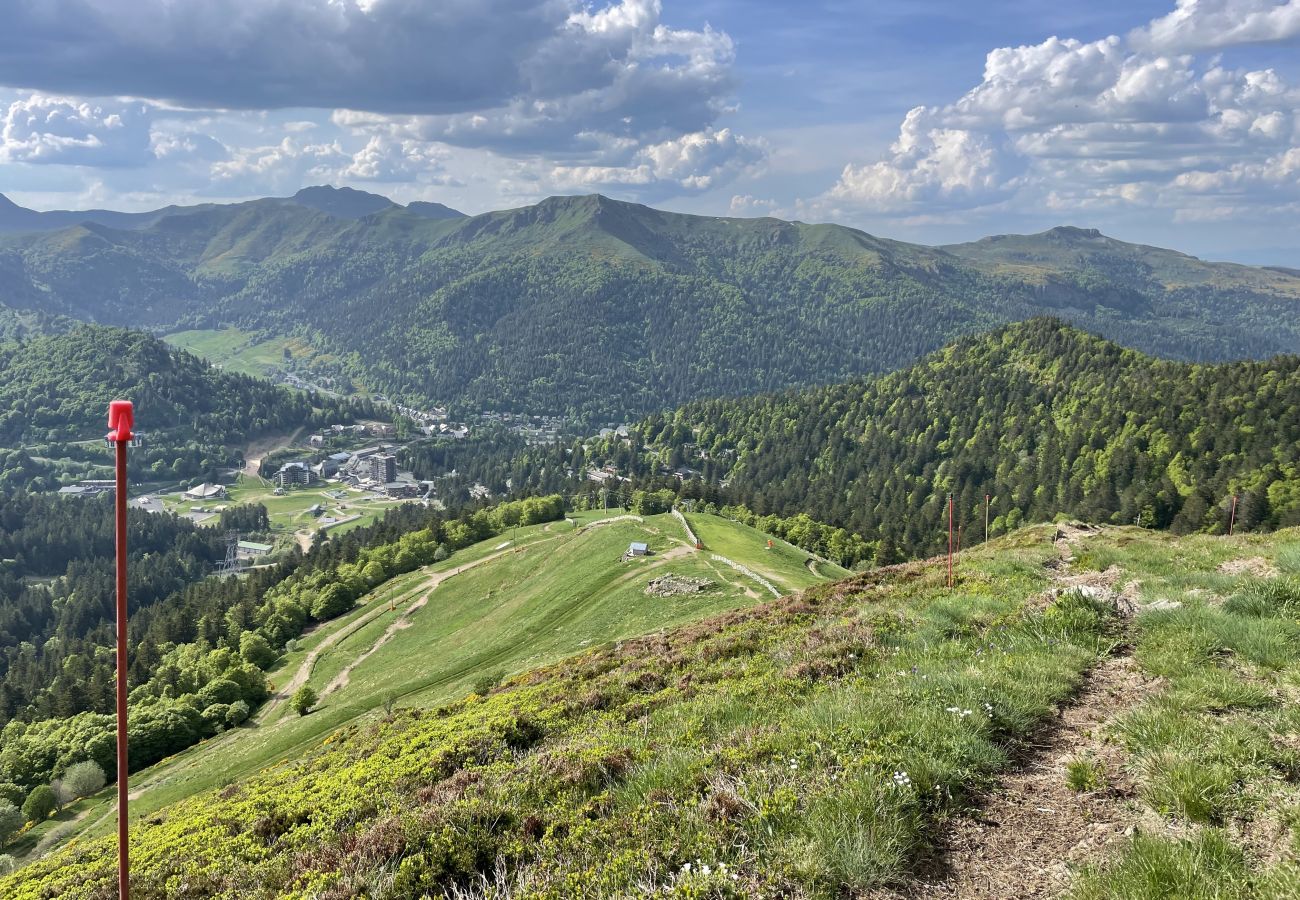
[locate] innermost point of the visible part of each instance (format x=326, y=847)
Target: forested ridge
x=602, y=310
x=58, y=388
x=1040, y=416
x=55, y=391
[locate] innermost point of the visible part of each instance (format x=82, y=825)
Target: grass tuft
x=1085, y=774
x=1206, y=867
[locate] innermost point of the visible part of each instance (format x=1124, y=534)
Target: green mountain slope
x=58, y=388
x=532, y=595
x=604, y=309
x=821, y=746
x=1040, y=416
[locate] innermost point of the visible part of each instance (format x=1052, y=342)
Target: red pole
x=1232, y=519
x=950, y=540
x=120, y=418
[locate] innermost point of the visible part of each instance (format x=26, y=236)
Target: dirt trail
x=611, y=520
x=264, y=447
x=402, y=621
x=46, y=843
x=1031, y=827
x=303, y=672
x=340, y=681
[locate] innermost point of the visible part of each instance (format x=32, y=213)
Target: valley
x=650, y=624
x=649, y=450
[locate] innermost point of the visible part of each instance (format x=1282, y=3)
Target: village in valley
x=339, y=478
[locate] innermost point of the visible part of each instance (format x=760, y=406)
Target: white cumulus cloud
x=1143, y=120
x=41, y=128
x=693, y=162
x=1214, y=24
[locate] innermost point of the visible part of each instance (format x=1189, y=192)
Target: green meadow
x=488, y=612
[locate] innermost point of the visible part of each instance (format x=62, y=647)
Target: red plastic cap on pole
x=121, y=419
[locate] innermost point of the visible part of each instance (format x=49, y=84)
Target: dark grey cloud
x=440, y=57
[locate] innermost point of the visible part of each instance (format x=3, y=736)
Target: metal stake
x=121, y=418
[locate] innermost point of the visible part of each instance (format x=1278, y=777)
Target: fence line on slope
x=690, y=534
x=748, y=573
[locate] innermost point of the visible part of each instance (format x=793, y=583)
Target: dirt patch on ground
x=1032, y=827
x=259, y=449
x=675, y=585
x=1254, y=566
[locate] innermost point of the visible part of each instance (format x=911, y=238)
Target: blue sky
x=1175, y=123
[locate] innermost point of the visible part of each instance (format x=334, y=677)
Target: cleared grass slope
x=491, y=610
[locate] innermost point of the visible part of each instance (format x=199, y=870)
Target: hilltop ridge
x=601, y=309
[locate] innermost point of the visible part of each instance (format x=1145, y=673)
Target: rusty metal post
x=120, y=420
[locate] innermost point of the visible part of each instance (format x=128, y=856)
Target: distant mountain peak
x=1072, y=232
x=587, y=202
x=315, y=191
x=341, y=202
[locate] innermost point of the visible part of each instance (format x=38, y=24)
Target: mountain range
x=601, y=309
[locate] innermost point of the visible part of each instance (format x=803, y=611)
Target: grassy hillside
x=243, y=352
x=883, y=733
x=491, y=610
x=604, y=309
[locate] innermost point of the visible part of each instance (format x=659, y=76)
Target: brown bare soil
x=1032, y=828
x=1255, y=566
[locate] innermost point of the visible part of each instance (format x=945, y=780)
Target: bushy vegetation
x=303, y=700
